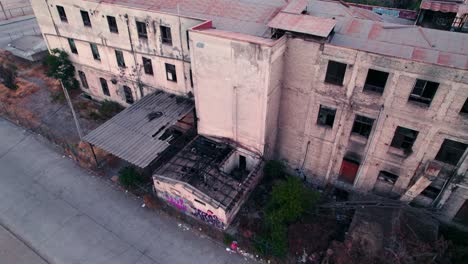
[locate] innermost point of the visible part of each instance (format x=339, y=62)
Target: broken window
x=375, y=81
x=85, y=17
x=166, y=37
x=148, y=66
x=84, y=82
x=451, y=152
x=105, y=88
x=62, y=14
x=335, y=72
x=362, y=126
x=171, y=72
x=141, y=29
x=404, y=138
x=72, y=45
x=128, y=94
x=95, y=51
x=112, y=24
x=120, y=58
x=423, y=91
x=326, y=116
x=387, y=177
x=464, y=109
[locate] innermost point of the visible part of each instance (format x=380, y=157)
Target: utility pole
x=77, y=124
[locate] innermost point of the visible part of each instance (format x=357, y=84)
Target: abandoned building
x=342, y=95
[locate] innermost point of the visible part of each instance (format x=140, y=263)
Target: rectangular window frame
x=403, y=140
x=451, y=151
x=362, y=126
x=104, y=86
x=336, y=72
x=326, y=116
x=62, y=14
x=95, y=51
x=86, y=19
x=372, y=85
x=387, y=177
x=83, y=80
x=72, y=44
x=141, y=30
x=128, y=94
x=119, y=56
x=171, y=69
x=112, y=22
x=422, y=94
x=166, y=35
x=464, y=109
x=147, y=66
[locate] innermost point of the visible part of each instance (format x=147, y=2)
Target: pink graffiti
x=177, y=202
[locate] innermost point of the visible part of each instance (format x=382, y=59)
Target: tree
x=8, y=75
x=61, y=68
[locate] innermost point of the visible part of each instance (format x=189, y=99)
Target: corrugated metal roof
x=132, y=136
x=440, y=6
x=316, y=26
x=295, y=6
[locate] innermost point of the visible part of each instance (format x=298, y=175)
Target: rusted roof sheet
x=243, y=16
x=446, y=7
x=132, y=136
x=408, y=42
x=311, y=25
x=295, y=7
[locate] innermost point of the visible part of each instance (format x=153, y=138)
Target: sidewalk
x=14, y=251
x=70, y=216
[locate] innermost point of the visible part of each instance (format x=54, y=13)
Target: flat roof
x=135, y=133
x=311, y=25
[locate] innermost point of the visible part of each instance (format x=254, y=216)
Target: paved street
x=17, y=27
x=67, y=216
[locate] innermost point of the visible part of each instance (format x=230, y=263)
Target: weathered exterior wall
x=232, y=88
x=320, y=150
x=56, y=33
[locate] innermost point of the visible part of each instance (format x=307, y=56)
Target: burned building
x=341, y=95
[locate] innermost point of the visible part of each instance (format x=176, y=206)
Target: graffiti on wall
x=208, y=218
x=177, y=202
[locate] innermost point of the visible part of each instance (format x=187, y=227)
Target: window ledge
x=358, y=138
x=324, y=126
x=335, y=84
x=419, y=104
x=397, y=152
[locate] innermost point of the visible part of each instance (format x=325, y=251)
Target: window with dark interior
x=84, y=82
x=62, y=14
x=387, y=177
x=148, y=66
x=85, y=17
x=451, y=152
x=464, y=109
x=104, y=87
x=188, y=39
x=112, y=24
x=191, y=78
x=431, y=192
x=362, y=126
x=171, y=72
x=166, y=37
x=326, y=116
x=404, y=138
x=423, y=92
x=128, y=94
x=141, y=29
x=375, y=81
x=335, y=72
x=72, y=45
x=95, y=51
x=120, y=58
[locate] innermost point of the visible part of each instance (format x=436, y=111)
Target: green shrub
x=274, y=170
x=8, y=76
x=61, y=68
x=108, y=109
x=227, y=239
x=129, y=177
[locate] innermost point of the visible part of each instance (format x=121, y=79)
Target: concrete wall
x=232, y=88
x=56, y=33
x=320, y=150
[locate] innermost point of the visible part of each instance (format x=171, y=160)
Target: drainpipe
x=371, y=141
x=181, y=46
x=140, y=86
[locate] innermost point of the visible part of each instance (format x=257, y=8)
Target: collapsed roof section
x=137, y=134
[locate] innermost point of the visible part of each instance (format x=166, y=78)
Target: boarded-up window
x=348, y=171
x=171, y=72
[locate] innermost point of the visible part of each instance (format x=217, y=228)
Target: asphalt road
x=65, y=215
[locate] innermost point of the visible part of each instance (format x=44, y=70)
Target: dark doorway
x=242, y=163
x=348, y=171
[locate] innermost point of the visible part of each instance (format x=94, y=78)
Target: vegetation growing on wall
x=61, y=68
